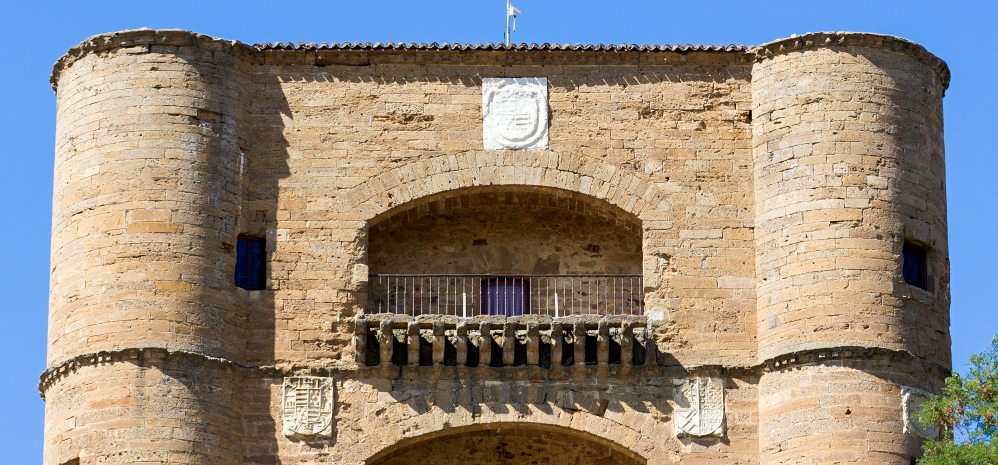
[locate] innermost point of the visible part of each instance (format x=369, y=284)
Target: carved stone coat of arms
x=307, y=406
x=699, y=407
x=515, y=113
x=911, y=401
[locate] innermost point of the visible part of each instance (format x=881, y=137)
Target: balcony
x=504, y=276
x=503, y=320
x=469, y=295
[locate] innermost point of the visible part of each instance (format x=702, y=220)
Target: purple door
x=505, y=296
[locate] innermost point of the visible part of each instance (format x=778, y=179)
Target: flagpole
x=507, y=22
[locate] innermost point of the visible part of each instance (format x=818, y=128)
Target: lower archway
x=508, y=444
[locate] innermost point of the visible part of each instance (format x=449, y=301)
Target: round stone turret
x=848, y=148
x=145, y=216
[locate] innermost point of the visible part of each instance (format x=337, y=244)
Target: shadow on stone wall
x=265, y=148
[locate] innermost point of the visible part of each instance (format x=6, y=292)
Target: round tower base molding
x=145, y=406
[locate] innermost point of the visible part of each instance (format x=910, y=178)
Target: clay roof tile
x=490, y=46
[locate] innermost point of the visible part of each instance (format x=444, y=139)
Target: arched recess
x=597, y=186
x=584, y=175
x=507, y=443
x=505, y=230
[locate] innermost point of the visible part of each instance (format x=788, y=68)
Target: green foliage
x=967, y=413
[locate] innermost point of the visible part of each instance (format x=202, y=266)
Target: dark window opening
x=373, y=355
x=251, y=264
x=915, y=269
x=425, y=352
x=567, y=352
x=519, y=353
x=473, y=355
x=638, y=352
x=544, y=354
x=495, y=354
x=614, y=358
x=450, y=353
x=591, y=350
x=400, y=352
x=505, y=296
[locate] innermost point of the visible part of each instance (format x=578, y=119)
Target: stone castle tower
x=422, y=253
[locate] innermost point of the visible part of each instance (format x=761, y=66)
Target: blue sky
x=37, y=33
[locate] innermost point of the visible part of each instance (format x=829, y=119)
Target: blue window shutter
x=251, y=269
x=914, y=266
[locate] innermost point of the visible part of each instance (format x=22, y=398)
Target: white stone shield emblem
x=515, y=113
x=307, y=406
x=911, y=401
x=699, y=407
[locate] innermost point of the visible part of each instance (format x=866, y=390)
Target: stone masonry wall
x=147, y=192
x=663, y=137
x=515, y=444
x=146, y=407
x=525, y=231
x=849, y=413
x=849, y=165
x=763, y=195
x=626, y=414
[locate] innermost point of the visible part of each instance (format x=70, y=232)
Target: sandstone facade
x=762, y=194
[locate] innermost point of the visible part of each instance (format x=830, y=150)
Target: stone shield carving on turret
x=911, y=401
x=515, y=113
x=699, y=407
x=307, y=406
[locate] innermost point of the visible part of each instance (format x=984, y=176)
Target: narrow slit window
x=251, y=265
x=915, y=267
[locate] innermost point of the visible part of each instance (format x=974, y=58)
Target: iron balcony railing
x=467, y=295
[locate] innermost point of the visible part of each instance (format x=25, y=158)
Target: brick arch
x=457, y=200
x=592, y=433
x=443, y=173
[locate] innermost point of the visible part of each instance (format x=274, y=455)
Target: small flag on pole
x=511, y=13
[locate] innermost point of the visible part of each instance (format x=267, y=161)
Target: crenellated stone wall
x=762, y=194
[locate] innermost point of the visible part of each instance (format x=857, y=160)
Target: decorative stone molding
x=497, y=47
x=466, y=333
x=699, y=407
x=382, y=339
x=307, y=407
x=853, y=39
x=145, y=37
x=837, y=354
x=134, y=355
x=911, y=401
x=515, y=113
x=149, y=37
